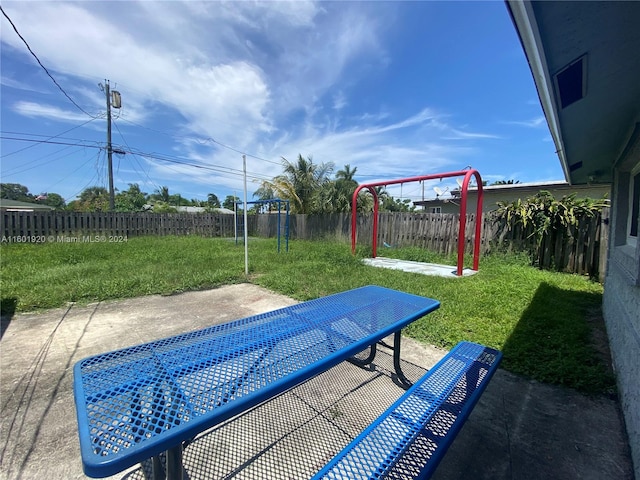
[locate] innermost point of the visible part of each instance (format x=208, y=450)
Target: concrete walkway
x=519, y=430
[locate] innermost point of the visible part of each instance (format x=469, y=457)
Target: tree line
x=133, y=199
x=310, y=188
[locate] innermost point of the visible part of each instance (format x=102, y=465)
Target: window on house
x=436, y=209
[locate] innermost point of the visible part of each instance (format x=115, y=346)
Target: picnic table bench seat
x=418, y=428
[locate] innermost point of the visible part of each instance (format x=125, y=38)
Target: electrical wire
x=74, y=171
x=177, y=160
x=203, y=141
x=41, y=161
x=97, y=144
x=49, y=138
x=100, y=166
x=43, y=67
x=154, y=156
x=88, y=183
x=135, y=157
x=219, y=170
x=214, y=167
x=101, y=169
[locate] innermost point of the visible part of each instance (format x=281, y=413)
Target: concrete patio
x=520, y=429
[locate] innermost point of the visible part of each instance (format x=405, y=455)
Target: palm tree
x=347, y=173
x=162, y=193
x=300, y=183
x=265, y=191
x=213, y=201
x=345, y=185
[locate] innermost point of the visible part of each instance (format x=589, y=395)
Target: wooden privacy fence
x=17, y=226
x=580, y=249
x=432, y=231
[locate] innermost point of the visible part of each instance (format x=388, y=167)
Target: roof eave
x=524, y=20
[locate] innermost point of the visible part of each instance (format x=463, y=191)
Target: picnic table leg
x=174, y=469
x=157, y=469
x=365, y=361
x=396, y=360
x=174, y=463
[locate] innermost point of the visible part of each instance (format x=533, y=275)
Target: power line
x=87, y=184
x=135, y=157
x=202, y=141
x=39, y=137
x=64, y=178
x=101, y=169
x=155, y=156
x=40, y=162
x=243, y=153
x=178, y=160
x=49, y=137
x=3, y=137
x=225, y=170
x=43, y=67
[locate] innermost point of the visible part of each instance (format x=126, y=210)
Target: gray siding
x=621, y=304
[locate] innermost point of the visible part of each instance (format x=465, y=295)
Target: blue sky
x=396, y=89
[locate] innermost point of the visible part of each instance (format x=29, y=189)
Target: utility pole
x=246, y=235
x=112, y=204
x=117, y=103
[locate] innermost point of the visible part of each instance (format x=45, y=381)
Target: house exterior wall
x=15, y=206
x=621, y=302
x=494, y=194
x=445, y=206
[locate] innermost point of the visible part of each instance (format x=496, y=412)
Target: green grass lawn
x=540, y=320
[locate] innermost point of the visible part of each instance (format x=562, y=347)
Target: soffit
x=596, y=128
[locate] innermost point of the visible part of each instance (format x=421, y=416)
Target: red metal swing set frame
x=467, y=174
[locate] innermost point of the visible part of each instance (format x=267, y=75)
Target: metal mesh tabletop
x=137, y=402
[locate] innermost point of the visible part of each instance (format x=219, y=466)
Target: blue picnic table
x=135, y=403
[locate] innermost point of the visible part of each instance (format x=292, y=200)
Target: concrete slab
x=418, y=267
x=519, y=430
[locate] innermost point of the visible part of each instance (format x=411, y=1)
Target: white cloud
x=379, y=151
x=339, y=101
x=237, y=72
x=196, y=59
x=381, y=148
x=7, y=81
x=294, y=13
x=535, y=122
x=461, y=135
x=213, y=96
x=36, y=110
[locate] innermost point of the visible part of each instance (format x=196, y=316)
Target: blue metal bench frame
x=135, y=403
x=416, y=431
